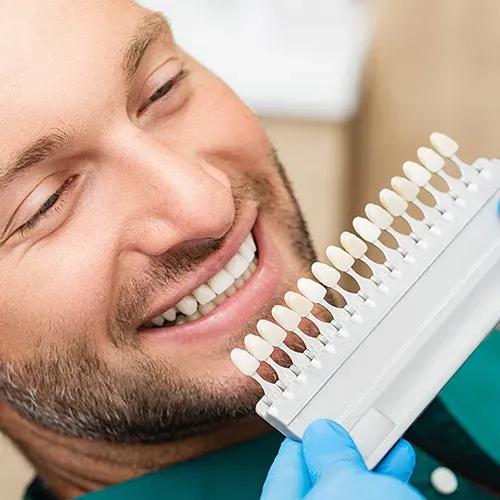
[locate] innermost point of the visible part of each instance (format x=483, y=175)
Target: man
x=132, y=184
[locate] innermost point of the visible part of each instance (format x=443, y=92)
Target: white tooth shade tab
x=220, y=282
x=431, y=160
x=325, y=274
x=444, y=145
x=258, y=347
x=298, y=303
x=380, y=217
x=237, y=266
x=312, y=290
x=393, y=203
x=416, y=173
x=340, y=259
x=171, y=314
x=405, y=188
x=187, y=306
x=204, y=294
x=354, y=245
x=271, y=332
x=286, y=318
x=244, y=361
x=366, y=229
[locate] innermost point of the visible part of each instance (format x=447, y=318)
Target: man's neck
x=72, y=467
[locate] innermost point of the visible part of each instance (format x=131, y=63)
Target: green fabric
x=473, y=396
x=236, y=472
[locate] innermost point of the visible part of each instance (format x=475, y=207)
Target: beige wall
x=435, y=66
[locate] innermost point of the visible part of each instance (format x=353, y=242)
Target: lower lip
x=235, y=312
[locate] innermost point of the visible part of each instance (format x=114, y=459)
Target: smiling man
x=145, y=226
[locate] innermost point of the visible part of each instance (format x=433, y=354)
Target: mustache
x=163, y=273
x=167, y=270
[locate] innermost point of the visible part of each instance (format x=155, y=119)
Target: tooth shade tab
x=431, y=160
x=326, y=274
x=354, y=245
x=298, y=303
x=366, y=229
x=244, y=361
x=393, y=203
x=221, y=282
x=204, y=294
x=340, y=259
x=187, y=306
x=380, y=217
x=405, y=188
x=271, y=332
x=286, y=318
x=258, y=347
x=312, y=290
x=416, y=173
x=237, y=266
x=444, y=145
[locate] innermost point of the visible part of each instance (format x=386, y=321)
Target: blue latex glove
x=328, y=466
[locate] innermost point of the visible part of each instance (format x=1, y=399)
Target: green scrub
x=458, y=431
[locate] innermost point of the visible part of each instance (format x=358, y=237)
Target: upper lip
x=211, y=266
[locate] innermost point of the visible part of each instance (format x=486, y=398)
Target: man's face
x=129, y=178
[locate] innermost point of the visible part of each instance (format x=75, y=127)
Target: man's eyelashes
x=54, y=203
x=164, y=89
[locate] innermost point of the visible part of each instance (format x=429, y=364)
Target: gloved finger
x=498, y=207
x=328, y=449
x=399, y=462
x=287, y=477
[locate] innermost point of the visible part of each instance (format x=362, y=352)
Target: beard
x=137, y=399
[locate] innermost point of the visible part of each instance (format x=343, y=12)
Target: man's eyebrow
x=151, y=27
x=40, y=150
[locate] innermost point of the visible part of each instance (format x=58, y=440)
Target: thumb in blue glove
x=328, y=466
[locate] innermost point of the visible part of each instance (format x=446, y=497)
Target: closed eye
x=164, y=89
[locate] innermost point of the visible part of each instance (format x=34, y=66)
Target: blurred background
x=347, y=90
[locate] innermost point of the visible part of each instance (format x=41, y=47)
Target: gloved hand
x=328, y=466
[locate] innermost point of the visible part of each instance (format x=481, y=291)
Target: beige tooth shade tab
x=380, y=217
x=312, y=290
x=339, y=258
x=354, y=245
x=366, y=229
x=258, y=347
x=416, y=173
x=298, y=303
x=271, y=332
x=444, y=145
x=405, y=188
x=325, y=274
x=431, y=160
x=286, y=318
x=395, y=204
x=244, y=361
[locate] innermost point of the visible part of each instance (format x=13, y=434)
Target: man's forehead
x=56, y=57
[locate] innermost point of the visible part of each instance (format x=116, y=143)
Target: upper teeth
x=211, y=294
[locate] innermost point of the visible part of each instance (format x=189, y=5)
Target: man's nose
x=168, y=198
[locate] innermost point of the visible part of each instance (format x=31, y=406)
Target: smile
x=225, y=292
x=210, y=295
